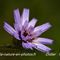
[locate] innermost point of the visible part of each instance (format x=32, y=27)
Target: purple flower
x=27, y=32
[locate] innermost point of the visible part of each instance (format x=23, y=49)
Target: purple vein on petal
x=41, y=29
x=42, y=48
x=43, y=40
x=8, y=28
x=17, y=18
x=25, y=16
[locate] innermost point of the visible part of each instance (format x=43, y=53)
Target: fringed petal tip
x=48, y=24
x=16, y=9
x=26, y=9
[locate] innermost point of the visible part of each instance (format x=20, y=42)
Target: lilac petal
x=40, y=29
x=32, y=22
x=23, y=37
x=17, y=28
x=25, y=16
x=25, y=24
x=43, y=40
x=16, y=35
x=10, y=30
x=30, y=29
x=29, y=37
x=42, y=48
x=27, y=45
x=17, y=18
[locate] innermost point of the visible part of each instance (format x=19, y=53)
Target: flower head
x=27, y=32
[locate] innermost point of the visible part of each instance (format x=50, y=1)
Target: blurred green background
x=44, y=11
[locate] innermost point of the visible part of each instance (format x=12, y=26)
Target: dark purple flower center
x=25, y=33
